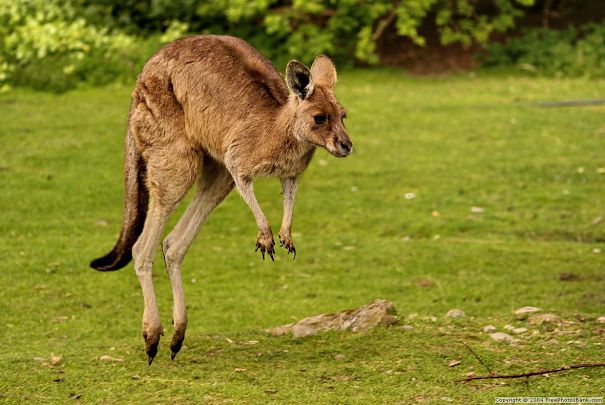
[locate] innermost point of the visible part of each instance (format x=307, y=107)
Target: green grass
x=456, y=142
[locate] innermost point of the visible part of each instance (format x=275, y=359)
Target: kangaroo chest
x=284, y=165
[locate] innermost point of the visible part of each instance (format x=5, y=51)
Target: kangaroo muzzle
x=342, y=146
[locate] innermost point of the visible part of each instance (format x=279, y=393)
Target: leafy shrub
x=349, y=29
x=570, y=52
x=45, y=44
x=56, y=44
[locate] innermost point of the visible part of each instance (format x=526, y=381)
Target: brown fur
x=214, y=105
x=135, y=209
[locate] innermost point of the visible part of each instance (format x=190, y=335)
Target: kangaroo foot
x=177, y=340
x=265, y=243
x=285, y=241
x=152, y=340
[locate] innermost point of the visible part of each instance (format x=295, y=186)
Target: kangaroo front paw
x=265, y=243
x=285, y=241
x=152, y=340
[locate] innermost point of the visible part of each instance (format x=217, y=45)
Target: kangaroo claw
x=266, y=245
x=286, y=242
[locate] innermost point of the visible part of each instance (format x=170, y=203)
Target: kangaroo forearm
x=247, y=192
x=289, y=186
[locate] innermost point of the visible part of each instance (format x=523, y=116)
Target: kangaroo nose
x=346, y=146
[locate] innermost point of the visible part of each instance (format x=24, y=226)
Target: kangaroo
x=212, y=110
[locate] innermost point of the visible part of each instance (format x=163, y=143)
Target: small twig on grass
x=532, y=373
x=478, y=358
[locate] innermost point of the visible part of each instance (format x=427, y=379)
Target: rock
x=378, y=312
x=339, y=357
x=453, y=363
x=55, y=360
x=407, y=327
x=539, y=319
x=111, y=359
x=313, y=326
x=601, y=319
x=281, y=330
x=523, y=313
x=518, y=331
x=509, y=327
x=455, y=313
x=502, y=337
x=527, y=310
x=489, y=328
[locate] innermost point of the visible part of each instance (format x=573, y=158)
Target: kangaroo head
x=318, y=117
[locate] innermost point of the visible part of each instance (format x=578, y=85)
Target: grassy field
x=535, y=177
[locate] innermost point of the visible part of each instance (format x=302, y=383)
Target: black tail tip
x=111, y=262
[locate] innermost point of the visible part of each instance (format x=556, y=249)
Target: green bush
x=348, y=30
x=570, y=52
x=56, y=44
x=47, y=44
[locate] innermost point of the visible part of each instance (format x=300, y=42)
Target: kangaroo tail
x=136, y=200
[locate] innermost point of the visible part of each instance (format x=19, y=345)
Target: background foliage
x=57, y=44
x=49, y=44
x=570, y=52
x=54, y=44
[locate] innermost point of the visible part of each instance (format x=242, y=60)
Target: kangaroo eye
x=320, y=119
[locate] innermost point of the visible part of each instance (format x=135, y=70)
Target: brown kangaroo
x=213, y=110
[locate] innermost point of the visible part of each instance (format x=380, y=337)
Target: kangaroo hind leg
x=169, y=180
x=172, y=167
x=214, y=184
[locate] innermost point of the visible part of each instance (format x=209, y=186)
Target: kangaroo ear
x=324, y=71
x=299, y=79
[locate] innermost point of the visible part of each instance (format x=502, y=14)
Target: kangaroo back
x=136, y=199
